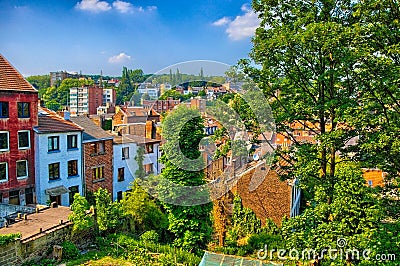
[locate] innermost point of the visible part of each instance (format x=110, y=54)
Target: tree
x=107, y=212
x=40, y=82
x=80, y=217
x=142, y=212
x=332, y=67
x=140, y=172
x=354, y=215
x=304, y=50
x=57, y=96
x=191, y=225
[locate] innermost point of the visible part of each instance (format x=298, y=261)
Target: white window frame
x=8, y=140
x=123, y=153
x=29, y=140
x=27, y=169
x=5, y=180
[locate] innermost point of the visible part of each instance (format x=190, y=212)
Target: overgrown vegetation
x=8, y=238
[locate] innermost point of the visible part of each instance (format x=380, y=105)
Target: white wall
x=129, y=164
x=43, y=158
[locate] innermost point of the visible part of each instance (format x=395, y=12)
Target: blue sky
x=92, y=35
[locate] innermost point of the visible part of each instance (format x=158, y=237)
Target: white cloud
x=93, y=5
x=242, y=26
x=121, y=58
x=222, y=21
x=123, y=7
x=97, y=6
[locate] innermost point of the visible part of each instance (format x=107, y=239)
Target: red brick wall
x=95, y=99
x=13, y=124
x=92, y=161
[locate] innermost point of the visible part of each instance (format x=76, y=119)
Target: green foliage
x=8, y=238
x=107, y=124
x=58, y=96
x=353, y=215
x=44, y=262
x=107, y=212
x=142, y=212
x=40, y=82
x=183, y=128
x=128, y=85
x=175, y=95
x=69, y=251
x=80, y=216
x=149, y=237
x=128, y=249
x=140, y=172
x=244, y=220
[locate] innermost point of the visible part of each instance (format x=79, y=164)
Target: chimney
x=67, y=115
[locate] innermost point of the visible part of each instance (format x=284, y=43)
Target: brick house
x=97, y=155
x=161, y=106
x=18, y=116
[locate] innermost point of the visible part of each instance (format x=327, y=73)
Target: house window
x=100, y=148
x=72, y=191
x=125, y=153
x=72, y=141
x=121, y=174
x=23, y=139
x=23, y=110
x=4, y=140
x=22, y=169
x=3, y=171
x=119, y=195
x=53, y=143
x=14, y=197
x=148, y=168
x=54, y=171
x=73, y=168
x=98, y=173
x=3, y=109
x=149, y=148
x=370, y=183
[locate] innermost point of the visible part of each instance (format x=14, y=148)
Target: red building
x=18, y=116
x=161, y=105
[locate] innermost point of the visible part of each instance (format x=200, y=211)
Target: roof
x=11, y=79
x=140, y=111
x=134, y=138
x=51, y=122
x=91, y=132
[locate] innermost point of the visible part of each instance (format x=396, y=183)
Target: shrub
x=8, y=238
x=69, y=251
x=149, y=236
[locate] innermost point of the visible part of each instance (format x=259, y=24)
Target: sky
x=90, y=36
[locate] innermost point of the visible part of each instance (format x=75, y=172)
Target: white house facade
x=124, y=164
x=58, y=155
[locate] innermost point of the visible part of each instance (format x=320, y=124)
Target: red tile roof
x=50, y=122
x=11, y=79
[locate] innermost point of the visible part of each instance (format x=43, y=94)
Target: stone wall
x=40, y=246
x=8, y=254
